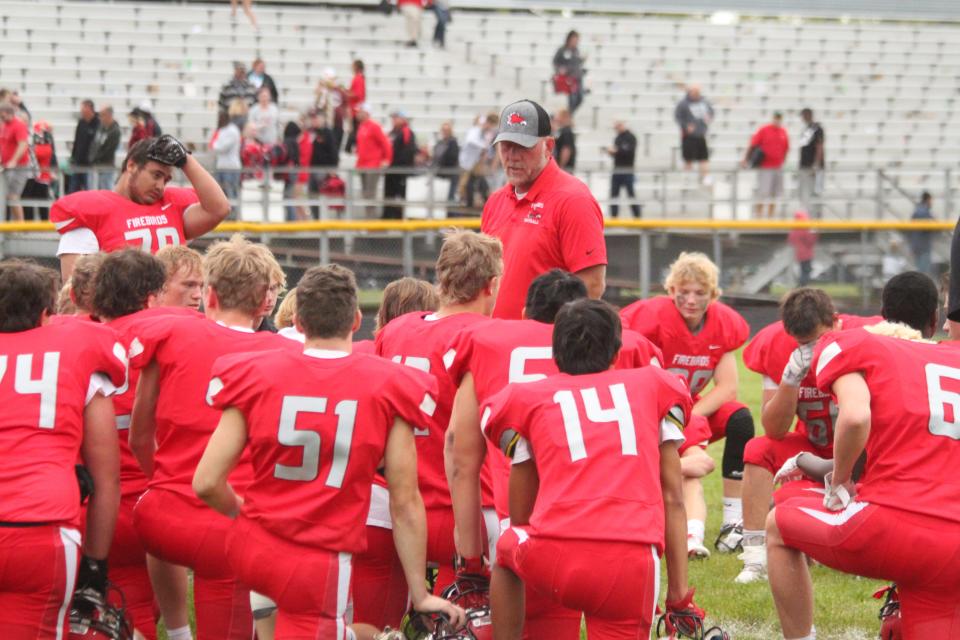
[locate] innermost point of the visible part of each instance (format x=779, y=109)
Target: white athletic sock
x=696, y=528
x=180, y=633
x=812, y=636
x=732, y=510
x=754, y=538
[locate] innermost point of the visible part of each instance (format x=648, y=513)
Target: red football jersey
x=47, y=377
x=692, y=356
x=314, y=456
x=365, y=346
x=185, y=348
x=420, y=340
x=119, y=222
x=596, y=442
x=913, y=450
x=768, y=354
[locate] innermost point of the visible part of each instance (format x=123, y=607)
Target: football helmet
x=684, y=620
x=730, y=539
x=92, y=618
x=469, y=591
x=889, y=615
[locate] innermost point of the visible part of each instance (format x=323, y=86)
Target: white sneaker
x=754, y=564
x=695, y=548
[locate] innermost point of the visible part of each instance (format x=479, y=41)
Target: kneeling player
x=698, y=336
x=303, y=515
x=898, y=398
x=595, y=481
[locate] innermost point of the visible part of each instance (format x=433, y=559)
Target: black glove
x=85, y=480
x=168, y=150
x=92, y=575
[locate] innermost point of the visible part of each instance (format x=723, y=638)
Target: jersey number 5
x=165, y=236
x=620, y=413
x=289, y=436
x=45, y=386
x=943, y=422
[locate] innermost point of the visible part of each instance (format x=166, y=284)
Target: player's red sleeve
x=838, y=353
x=111, y=355
x=637, y=351
x=66, y=214
x=582, y=242
x=182, y=197
x=641, y=317
x=234, y=380
x=672, y=392
x=145, y=336
x=462, y=349
x=504, y=419
x=760, y=355
x=734, y=328
x=412, y=395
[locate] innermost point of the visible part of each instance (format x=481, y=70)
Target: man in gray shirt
x=694, y=115
x=103, y=148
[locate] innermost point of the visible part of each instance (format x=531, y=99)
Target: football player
x=468, y=274
x=897, y=396
x=170, y=424
x=698, y=336
x=782, y=352
x=126, y=286
x=303, y=514
x=54, y=388
x=141, y=210
x=184, y=284
x=81, y=285
x=595, y=480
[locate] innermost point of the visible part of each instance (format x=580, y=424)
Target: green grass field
x=845, y=609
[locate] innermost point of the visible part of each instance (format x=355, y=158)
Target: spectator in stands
x=305, y=149
x=565, y=151
x=13, y=97
x=442, y=9
x=15, y=158
x=568, y=62
x=141, y=126
x=412, y=11
x=766, y=153
x=239, y=112
x=291, y=148
x=83, y=136
x=810, y=178
x=259, y=78
x=247, y=9
x=324, y=154
x=41, y=187
x=804, y=242
x=331, y=100
x=356, y=96
x=225, y=145
x=103, y=149
x=624, y=153
x=404, y=145
x=894, y=260
x=445, y=158
x=921, y=242
x=374, y=152
x=237, y=87
x=265, y=117
x=476, y=155
x=150, y=121
x=694, y=114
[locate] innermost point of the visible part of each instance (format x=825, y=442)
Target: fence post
x=431, y=195
x=3, y=198
x=717, y=251
x=407, y=244
x=947, y=194
x=644, y=264
x=864, y=277
x=265, y=195
x=324, y=247
x=663, y=193
x=734, y=194
x=349, y=192
x=879, y=194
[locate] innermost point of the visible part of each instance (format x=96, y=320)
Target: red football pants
x=38, y=570
x=379, y=586
x=128, y=571
x=920, y=553
x=618, y=602
x=181, y=531
x=311, y=586
x=771, y=454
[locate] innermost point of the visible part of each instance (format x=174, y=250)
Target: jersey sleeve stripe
x=829, y=352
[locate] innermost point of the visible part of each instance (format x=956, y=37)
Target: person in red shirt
x=592, y=493
x=14, y=157
x=374, y=151
x=54, y=388
x=486, y=357
x=170, y=424
x=781, y=353
x=699, y=336
x=184, y=277
x=356, y=96
x=897, y=398
x=803, y=241
x=545, y=217
x=141, y=210
x=468, y=274
x=771, y=141
x=303, y=514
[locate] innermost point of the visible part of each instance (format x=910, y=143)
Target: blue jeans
x=105, y=179
x=77, y=182
x=620, y=181
x=440, y=31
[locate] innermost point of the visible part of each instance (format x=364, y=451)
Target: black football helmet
x=92, y=618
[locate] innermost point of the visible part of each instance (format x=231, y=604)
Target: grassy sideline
x=844, y=607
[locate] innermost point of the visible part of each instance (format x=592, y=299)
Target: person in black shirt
x=445, y=158
x=623, y=152
x=810, y=178
x=565, y=151
x=87, y=127
x=404, y=155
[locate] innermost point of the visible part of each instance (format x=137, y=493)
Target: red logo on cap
x=516, y=119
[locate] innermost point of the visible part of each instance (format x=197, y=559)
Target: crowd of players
x=309, y=482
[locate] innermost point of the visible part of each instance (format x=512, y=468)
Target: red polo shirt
x=373, y=147
x=555, y=225
x=774, y=142
x=11, y=135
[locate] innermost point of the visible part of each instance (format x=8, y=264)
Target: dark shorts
x=694, y=149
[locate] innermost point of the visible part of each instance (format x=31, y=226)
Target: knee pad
x=739, y=433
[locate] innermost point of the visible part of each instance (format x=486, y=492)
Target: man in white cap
x=546, y=218
x=374, y=152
